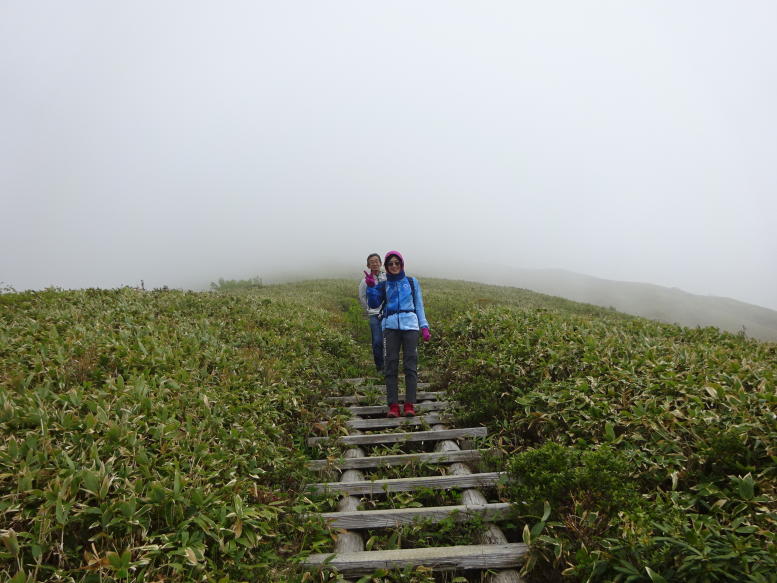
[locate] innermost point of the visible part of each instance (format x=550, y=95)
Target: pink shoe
x=409, y=410
x=393, y=410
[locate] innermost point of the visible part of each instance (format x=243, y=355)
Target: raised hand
x=369, y=279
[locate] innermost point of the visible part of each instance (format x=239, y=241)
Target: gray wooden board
x=383, y=409
x=409, y=484
x=393, y=517
x=466, y=455
x=459, y=557
x=391, y=422
x=383, y=387
x=351, y=399
x=402, y=437
x=360, y=386
x=430, y=419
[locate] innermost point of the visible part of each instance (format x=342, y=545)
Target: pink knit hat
x=398, y=254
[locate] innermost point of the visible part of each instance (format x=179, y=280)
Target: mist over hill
x=671, y=305
x=647, y=300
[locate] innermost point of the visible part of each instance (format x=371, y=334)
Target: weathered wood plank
x=351, y=399
x=361, y=519
x=408, y=484
x=506, y=576
x=467, y=455
x=349, y=541
x=382, y=388
x=491, y=534
x=401, y=388
x=359, y=386
x=412, y=436
x=383, y=409
x=459, y=557
x=382, y=422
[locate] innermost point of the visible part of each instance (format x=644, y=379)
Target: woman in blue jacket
x=403, y=319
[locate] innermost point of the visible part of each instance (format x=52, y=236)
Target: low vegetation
x=160, y=436
x=639, y=451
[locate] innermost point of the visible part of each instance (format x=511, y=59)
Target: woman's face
x=393, y=265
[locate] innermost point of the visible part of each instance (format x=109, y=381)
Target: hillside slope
x=639, y=451
x=161, y=435
x=655, y=302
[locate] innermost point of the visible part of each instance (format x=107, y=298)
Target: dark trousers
x=407, y=340
x=377, y=342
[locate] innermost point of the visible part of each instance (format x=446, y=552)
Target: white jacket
x=363, y=294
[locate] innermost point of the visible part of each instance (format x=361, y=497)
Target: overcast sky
x=178, y=142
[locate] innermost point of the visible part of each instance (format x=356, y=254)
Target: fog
x=179, y=142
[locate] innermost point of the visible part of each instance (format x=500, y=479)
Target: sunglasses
x=393, y=263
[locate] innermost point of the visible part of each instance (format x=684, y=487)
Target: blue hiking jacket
x=401, y=310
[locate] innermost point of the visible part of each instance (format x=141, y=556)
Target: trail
x=426, y=444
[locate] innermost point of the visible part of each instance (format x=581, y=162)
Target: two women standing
x=402, y=320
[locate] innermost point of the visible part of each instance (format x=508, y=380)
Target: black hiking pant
x=407, y=340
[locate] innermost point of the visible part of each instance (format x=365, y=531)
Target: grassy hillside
x=160, y=435
x=665, y=304
x=639, y=450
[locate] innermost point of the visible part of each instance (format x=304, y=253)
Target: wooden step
x=461, y=557
x=383, y=409
x=361, y=519
x=412, y=436
x=382, y=388
x=409, y=484
x=358, y=385
x=382, y=422
x=349, y=399
x=464, y=455
x=354, y=381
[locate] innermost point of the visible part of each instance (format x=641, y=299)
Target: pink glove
x=426, y=334
x=369, y=279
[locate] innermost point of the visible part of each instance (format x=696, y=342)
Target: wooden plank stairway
x=492, y=553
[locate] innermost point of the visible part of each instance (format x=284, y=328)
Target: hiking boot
x=409, y=410
x=393, y=410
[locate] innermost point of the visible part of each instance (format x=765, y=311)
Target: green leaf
x=11, y=541
x=91, y=481
x=61, y=512
x=546, y=512
x=37, y=552
x=655, y=577
x=537, y=529
x=114, y=560
x=747, y=487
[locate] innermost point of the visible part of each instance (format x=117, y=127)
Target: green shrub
x=573, y=480
x=157, y=435
x=663, y=463
x=236, y=284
